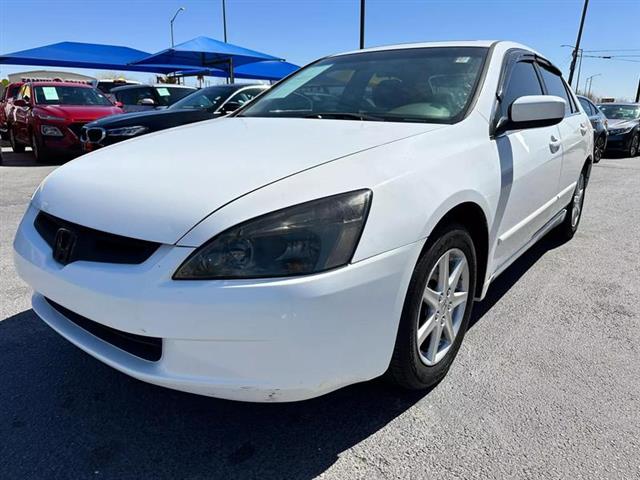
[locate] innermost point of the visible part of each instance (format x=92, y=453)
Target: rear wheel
x=15, y=145
x=436, y=310
x=634, y=146
x=598, y=149
x=569, y=226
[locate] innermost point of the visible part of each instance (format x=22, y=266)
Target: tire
x=417, y=368
x=569, y=226
x=39, y=151
x=15, y=145
x=634, y=145
x=598, y=149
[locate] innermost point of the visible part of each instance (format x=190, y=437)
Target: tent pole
x=231, y=70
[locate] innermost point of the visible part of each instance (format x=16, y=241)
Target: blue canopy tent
x=205, y=52
x=269, y=70
x=85, y=55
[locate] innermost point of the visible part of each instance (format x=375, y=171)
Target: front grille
x=76, y=128
x=147, y=348
x=93, y=245
x=93, y=134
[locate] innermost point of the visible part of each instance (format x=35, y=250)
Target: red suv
x=6, y=106
x=49, y=116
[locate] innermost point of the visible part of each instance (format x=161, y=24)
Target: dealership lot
x=545, y=386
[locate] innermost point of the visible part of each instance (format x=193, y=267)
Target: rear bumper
x=254, y=340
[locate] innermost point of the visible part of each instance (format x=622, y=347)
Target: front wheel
x=436, y=311
x=39, y=151
x=634, y=146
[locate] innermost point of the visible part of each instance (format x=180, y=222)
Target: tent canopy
x=205, y=52
x=270, y=70
x=83, y=55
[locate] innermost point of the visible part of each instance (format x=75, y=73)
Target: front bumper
x=619, y=142
x=252, y=340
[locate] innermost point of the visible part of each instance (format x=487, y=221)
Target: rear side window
x=555, y=86
x=133, y=96
x=523, y=81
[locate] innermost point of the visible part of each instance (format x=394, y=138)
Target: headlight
x=307, y=238
x=620, y=131
x=44, y=116
x=50, y=131
x=127, y=131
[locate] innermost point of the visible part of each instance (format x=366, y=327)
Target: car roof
x=59, y=84
x=627, y=104
x=456, y=43
x=155, y=85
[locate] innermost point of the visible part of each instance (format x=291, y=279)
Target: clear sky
x=303, y=30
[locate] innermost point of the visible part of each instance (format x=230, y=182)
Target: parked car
x=136, y=98
x=600, y=127
x=624, y=127
x=205, y=104
x=48, y=117
x=9, y=94
x=312, y=239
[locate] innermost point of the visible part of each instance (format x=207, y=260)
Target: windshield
x=409, y=85
x=69, y=95
x=208, y=98
x=620, y=112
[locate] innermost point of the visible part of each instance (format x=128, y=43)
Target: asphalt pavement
x=546, y=384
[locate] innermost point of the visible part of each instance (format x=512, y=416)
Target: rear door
x=530, y=161
x=21, y=115
x=575, y=133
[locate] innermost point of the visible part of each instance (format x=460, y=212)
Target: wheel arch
x=473, y=215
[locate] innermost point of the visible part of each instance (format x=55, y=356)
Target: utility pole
x=224, y=20
x=362, y=24
x=638, y=92
x=577, y=47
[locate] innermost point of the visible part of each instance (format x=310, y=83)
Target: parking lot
x=546, y=384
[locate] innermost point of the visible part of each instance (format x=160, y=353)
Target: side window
x=26, y=93
x=586, y=105
x=555, y=86
x=245, y=95
x=522, y=81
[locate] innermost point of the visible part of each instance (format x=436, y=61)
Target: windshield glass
x=209, y=98
x=620, y=112
x=408, y=85
x=170, y=95
x=69, y=95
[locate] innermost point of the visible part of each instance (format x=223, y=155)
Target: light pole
x=181, y=9
x=590, y=80
x=580, y=54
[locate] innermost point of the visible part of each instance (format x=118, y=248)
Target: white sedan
x=337, y=229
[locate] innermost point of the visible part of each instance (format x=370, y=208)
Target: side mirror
x=147, y=102
x=533, y=111
x=229, y=107
x=20, y=102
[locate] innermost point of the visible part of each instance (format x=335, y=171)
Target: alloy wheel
x=443, y=305
x=598, y=150
x=578, y=199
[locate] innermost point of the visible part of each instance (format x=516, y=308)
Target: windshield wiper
x=345, y=116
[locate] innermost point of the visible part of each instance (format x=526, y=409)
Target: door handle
x=554, y=144
x=583, y=129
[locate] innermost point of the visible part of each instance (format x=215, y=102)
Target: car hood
x=136, y=118
x=79, y=113
x=157, y=187
x=622, y=123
